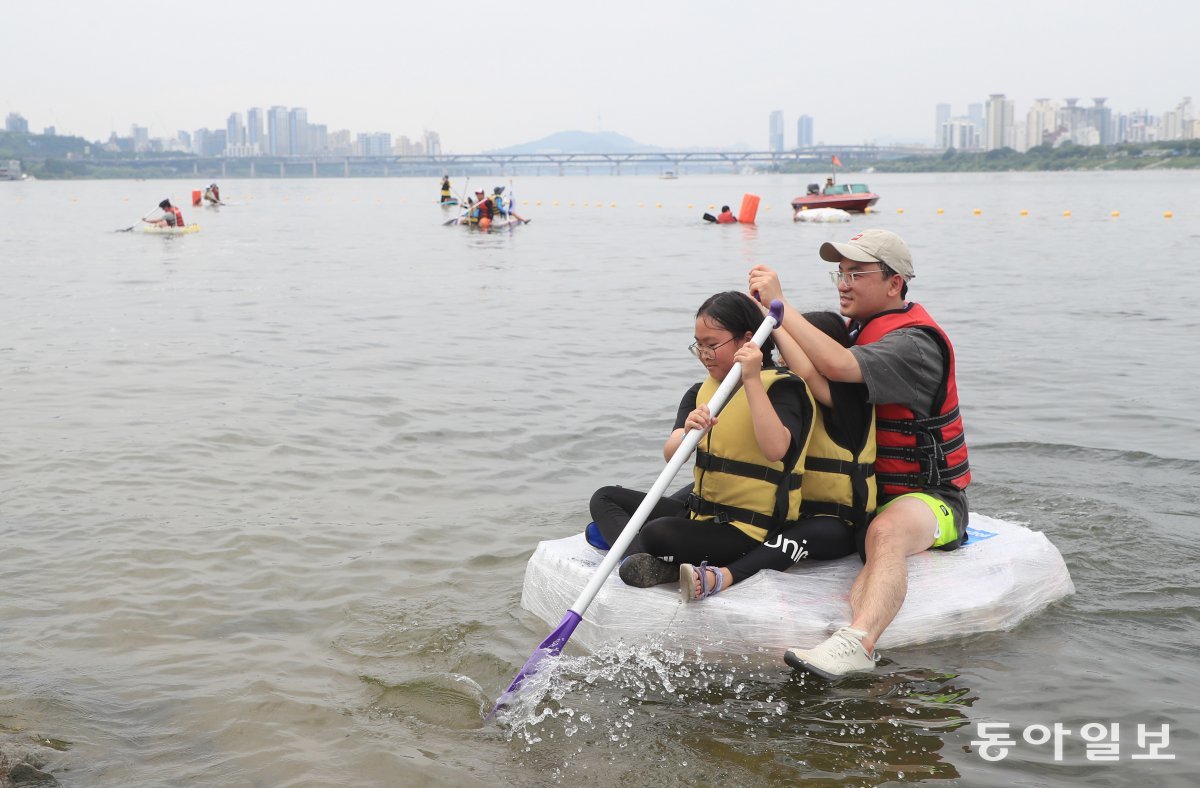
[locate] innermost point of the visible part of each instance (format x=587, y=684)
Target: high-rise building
x=217, y=142
x=1041, y=123
x=961, y=134
x=318, y=138
x=804, y=131
x=278, y=143
x=975, y=115
x=1099, y=117
x=340, y=143
x=254, y=130
x=999, y=122
x=377, y=144
x=140, y=136
x=775, y=140
x=433, y=144
x=298, y=131
x=16, y=124
x=200, y=141
x=235, y=131
x=939, y=126
x=1072, y=118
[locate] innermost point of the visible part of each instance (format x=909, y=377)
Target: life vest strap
x=847, y=514
x=930, y=476
x=921, y=451
x=711, y=462
x=729, y=514
x=914, y=426
x=831, y=465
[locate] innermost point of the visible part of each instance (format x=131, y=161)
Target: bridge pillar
x=195, y=168
x=282, y=174
x=345, y=168
x=222, y=168
x=314, y=168
x=252, y=173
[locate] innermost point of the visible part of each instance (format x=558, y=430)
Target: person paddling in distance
x=172, y=216
x=213, y=195
x=746, y=482
x=838, y=488
x=446, y=195
x=908, y=365
x=482, y=209
x=504, y=207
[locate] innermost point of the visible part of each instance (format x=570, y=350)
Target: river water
x=268, y=490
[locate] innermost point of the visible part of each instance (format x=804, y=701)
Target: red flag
x=837, y=162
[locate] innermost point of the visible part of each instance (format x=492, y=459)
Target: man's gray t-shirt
x=903, y=367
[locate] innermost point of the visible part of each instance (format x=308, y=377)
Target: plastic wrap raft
x=1004, y=574
x=151, y=229
x=821, y=215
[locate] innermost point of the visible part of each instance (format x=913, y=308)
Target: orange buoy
x=195, y=196
x=749, y=209
x=485, y=223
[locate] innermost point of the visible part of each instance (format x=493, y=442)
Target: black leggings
x=612, y=508
x=672, y=536
x=815, y=538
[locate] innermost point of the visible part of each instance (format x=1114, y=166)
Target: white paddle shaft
x=690, y=440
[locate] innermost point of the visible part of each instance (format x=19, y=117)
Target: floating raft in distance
x=821, y=215
x=151, y=229
x=1004, y=574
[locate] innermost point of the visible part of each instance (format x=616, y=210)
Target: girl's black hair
x=832, y=324
x=737, y=313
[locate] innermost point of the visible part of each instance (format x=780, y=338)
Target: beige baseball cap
x=873, y=246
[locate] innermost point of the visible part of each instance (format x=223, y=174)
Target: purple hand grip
x=776, y=311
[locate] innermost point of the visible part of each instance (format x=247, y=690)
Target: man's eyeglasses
x=849, y=276
x=707, y=351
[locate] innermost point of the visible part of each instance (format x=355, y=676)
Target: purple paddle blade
x=552, y=646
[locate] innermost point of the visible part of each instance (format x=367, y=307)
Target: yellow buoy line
x=712, y=207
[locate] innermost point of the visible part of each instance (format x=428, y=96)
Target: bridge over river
x=816, y=159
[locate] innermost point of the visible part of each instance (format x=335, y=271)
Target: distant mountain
x=580, y=142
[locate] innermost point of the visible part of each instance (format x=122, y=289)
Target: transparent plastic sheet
x=822, y=215
x=1004, y=574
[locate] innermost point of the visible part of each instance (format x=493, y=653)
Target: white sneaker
x=840, y=655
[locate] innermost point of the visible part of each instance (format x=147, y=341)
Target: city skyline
x=668, y=75
x=995, y=124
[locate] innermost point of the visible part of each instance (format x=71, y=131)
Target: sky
x=664, y=72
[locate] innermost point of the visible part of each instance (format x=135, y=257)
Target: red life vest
x=914, y=453
x=726, y=217
x=178, y=215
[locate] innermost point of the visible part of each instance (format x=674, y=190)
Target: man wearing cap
x=907, y=363
x=481, y=208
